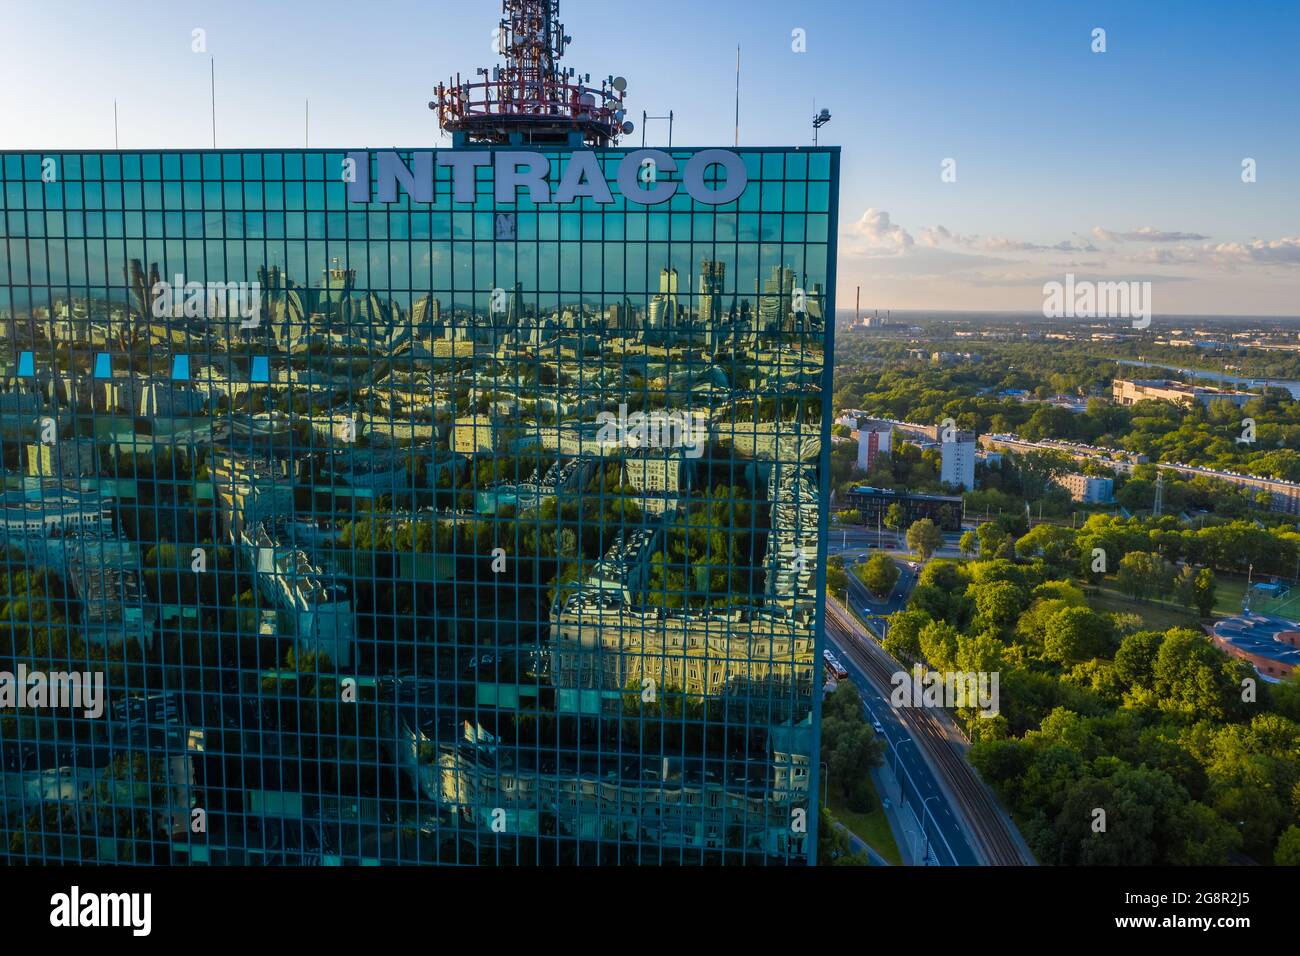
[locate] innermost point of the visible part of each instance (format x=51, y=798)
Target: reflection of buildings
x=792, y=543
x=105, y=577
x=658, y=478
x=625, y=567
x=670, y=802
x=600, y=648
x=250, y=488
x=771, y=440
x=474, y=433
x=153, y=724
x=70, y=458
x=778, y=293
x=314, y=609
x=381, y=399
x=53, y=509
x=713, y=276
x=662, y=315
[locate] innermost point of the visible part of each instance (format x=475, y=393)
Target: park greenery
x=879, y=573
x=924, y=538
x=1194, y=760
x=1112, y=695
x=850, y=747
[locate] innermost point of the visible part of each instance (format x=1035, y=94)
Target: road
x=965, y=809
x=852, y=541
x=962, y=819
x=921, y=788
x=866, y=604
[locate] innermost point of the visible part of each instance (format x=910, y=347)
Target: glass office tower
x=414, y=507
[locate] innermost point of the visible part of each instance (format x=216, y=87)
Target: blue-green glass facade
x=425, y=530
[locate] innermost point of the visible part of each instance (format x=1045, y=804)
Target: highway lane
x=855, y=543
x=868, y=605
x=982, y=823
x=950, y=845
x=948, y=840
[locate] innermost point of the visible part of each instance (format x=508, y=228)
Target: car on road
x=878, y=727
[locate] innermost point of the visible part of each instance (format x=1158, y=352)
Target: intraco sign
x=637, y=179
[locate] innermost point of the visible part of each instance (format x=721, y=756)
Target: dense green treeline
x=1113, y=742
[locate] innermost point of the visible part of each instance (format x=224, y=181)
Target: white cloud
x=875, y=234
x=1145, y=234
x=938, y=235
x=1227, y=255
x=1262, y=251
x=972, y=270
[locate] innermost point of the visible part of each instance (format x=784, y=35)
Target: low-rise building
x=1087, y=489
x=1132, y=391
x=1270, y=644
x=874, y=503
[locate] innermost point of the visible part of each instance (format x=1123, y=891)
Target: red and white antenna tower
x=532, y=99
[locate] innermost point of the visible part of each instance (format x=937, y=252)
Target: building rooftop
x=1259, y=635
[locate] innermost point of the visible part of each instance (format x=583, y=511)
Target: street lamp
x=925, y=803
x=898, y=748
x=820, y=120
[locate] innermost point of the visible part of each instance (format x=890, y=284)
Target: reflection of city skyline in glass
x=420, y=532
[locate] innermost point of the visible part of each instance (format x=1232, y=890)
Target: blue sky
x=1122, y=164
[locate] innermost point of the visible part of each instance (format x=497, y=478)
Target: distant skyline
x=1122, y=165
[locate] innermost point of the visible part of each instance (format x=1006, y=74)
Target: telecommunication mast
x=532, y=98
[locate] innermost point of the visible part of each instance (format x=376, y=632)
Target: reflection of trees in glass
x=711, y=558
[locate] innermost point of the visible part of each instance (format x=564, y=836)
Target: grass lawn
x=1232, y=588
x=1162, y=615
x=871, y=828
x=1228, y=592
x=1158, y=615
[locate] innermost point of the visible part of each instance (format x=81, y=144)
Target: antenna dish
x=620, y=84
